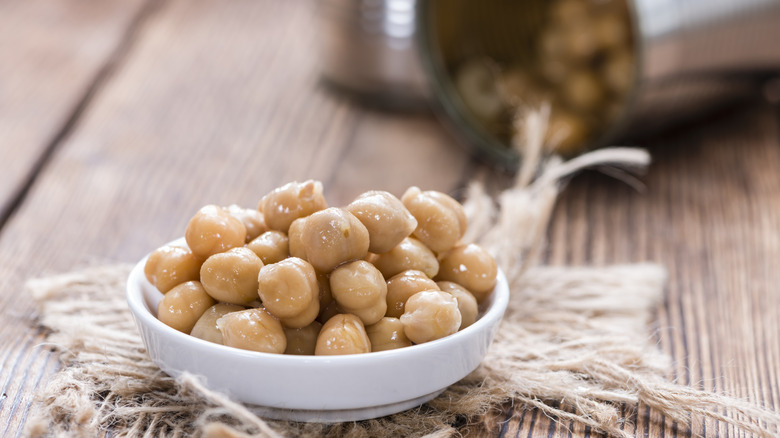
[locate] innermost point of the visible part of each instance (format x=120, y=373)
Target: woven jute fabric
x=574, y=343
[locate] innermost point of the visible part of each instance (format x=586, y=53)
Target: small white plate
x=318, y=388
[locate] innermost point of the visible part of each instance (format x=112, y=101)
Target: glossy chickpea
x=253, y=220
x=467, y=304
x=213, y=230
x=342, y=334
x=430, y=315
x=289, y=291
x=292, y=201
x=171, y=265
x=441, y=221
x=206, y=327
x=302, y=341
x=183, y=305
x=409, y=254
x=271, y=246
x=253, y=329
x=387, y=334
x=387, y=220
x=294, y=238
x=359, y=288
x=231, y=277
x=471, y=267
x=333, y=236
x=402, y=286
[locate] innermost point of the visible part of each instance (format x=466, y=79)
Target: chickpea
x=471, y=267
x=294, y=238
x=253, y=221
x=409, y=254
x=206, y=326
x=271, y=246
x=467, y=303
x=231, y=276
x=476, y=86
x=292, y=201
x=171, y=265
x=333, y=236
x=253, y=329
x=306, y=317
x=387, y=334
x=359, y=288
x=302, y=341
x=289, y=289
x=441, y=221
x=584, y=91
x=618, y=71
x=402, y=286
x=213, y=230
x=387, y=220
x=183, y=305
x=359, y=285
x=342, y=334
x=430, y=315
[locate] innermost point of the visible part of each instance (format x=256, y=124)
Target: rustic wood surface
x=118, y=119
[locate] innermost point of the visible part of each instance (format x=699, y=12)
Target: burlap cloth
x=574, y=343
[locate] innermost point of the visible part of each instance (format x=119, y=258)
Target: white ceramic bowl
x=318, y=388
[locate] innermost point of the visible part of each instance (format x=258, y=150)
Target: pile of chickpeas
x=581, y=62
x=298, y=277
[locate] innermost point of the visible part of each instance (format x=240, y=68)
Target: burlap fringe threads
x=573, y=344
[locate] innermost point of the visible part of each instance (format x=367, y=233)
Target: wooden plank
x=54, y=52
x=214, y=102
x=709, y=213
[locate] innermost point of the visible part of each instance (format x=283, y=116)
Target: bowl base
x=341, y=415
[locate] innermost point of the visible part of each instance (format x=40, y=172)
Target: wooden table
x=119, y=118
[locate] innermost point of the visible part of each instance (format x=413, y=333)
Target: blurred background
x=120, y=118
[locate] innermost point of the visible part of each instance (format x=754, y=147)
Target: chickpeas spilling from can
x=296, y=276
x=581, y=62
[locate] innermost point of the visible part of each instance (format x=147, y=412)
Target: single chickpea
x=294, y=238
x=618, y=72
x=206, y=327
x=476, y=85
x=333, y=236
x=402, y=286
x=292, y=201
x=387, y=334
x=253, y=220
x=584, y=91
x=288, y=290
x=231, y=277
x=306, y=317
x=253, y=329
x=302, y=341
x=342, y=334
x=387, y=220
x=430, y=315
x=213, y=230
x=359, y=288
x=171, y=265
x=409, y=254
x=183, y=305
x=467, y=303
x=471, y=267
x=441, y=220
x=271, y=246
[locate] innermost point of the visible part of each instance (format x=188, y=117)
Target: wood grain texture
x=218, y=102
x=54, y=54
